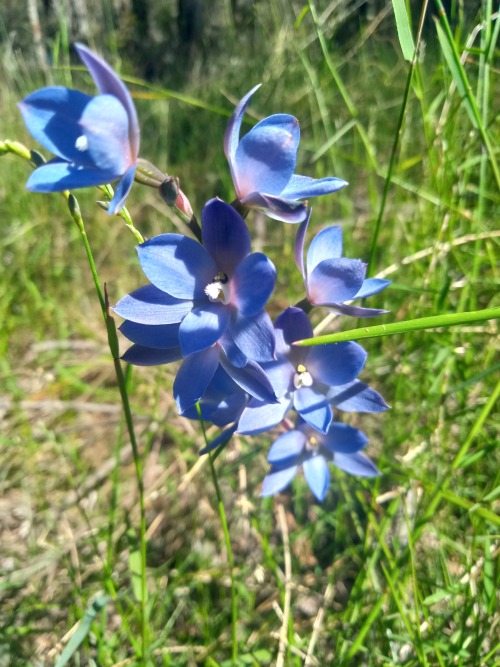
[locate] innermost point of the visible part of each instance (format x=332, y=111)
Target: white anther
x=82, y=143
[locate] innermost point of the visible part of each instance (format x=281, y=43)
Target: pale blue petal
x=327, y=244
x=344, y=439
x=335, y=281
x=317, y=475
x=254, y=336
x=372, y=286
x=177, y=265
x=277, y=480
x=277, y=208
x=288, y=446
x=225, y=235
x=104, y=123
x=121, y=191
x=203, y=327
x=313, y=408
x=253, y=283
x=149, y=305
x=298, y=248
x=356, y=464
x=56, y=176
x=357, y=397
x=335, y=363
x=259, y=416
x=356, y=311
x=303, y=187
x=232, y=135
x=232, y=351
x=252, y=379
x=194, y=376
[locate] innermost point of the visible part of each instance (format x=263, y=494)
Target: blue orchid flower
x=310, y=379
x=331, y=279
x=313, y=451
x=95, y=139
x=263, y=162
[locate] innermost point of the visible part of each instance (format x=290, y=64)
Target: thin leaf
x=404, y=29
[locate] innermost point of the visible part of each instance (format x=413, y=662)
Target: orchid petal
x=288, y=446
x=371, y=286
x=177, y=265
x=254, y=336
x=121, y=191
x=344, y=439
x=149, y=305
x=357, y=397
x=232, y=351
x=356, y=464
x=253, y=283
x=277, y=480
x=356, y=311
x=161, y=336
x=260, y=416
x=57, y=175
x=317, y=475
x=148, y=356
x=252, y=379
x=104, y=125
x=335, y=280
x=327, y=244
x=336, y=363
x=294, y=325
x=225, y=235
x=298, y=247
x=313, y=408
x=203, y=327
x=303, y=187
x=221, y=439
x=193, y=377
x=232, y=135
x=275, y=207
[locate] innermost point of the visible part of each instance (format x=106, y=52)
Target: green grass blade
x=419, y=324
x=403, y=28
x=82, y=630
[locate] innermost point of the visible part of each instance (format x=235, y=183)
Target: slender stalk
x=399, y=127
x=227, y=541
x=122, y=386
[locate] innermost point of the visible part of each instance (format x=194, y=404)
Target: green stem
x=433, y=322
x=122, y=386
x=399, y=127
x=227, y=541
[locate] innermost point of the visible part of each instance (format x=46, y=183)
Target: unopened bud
x=37, y=158
x=103, y=204
x=183, y=205
x=147, y=174
x=169, y=190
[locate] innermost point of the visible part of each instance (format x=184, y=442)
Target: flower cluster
x=205, y=301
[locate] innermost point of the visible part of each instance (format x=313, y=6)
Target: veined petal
x=109, y=83
x=149, y=305
x=275, y=207
x=277, y=480
x=121, y=191
x=335, y=280
x=357, y=397
x=177, y=265
x=253, y=283
x=356, y=311
x=356, y=464
x=160, y=336
x=232, y=351
x=371, y=286
x=254, y=335
x=51, y=116
x=104, y=125
x=232, y=135
x=193, y=377
x=313, y=408
x=57, y=175
x=260, y=416
x=265, y=157
x=344, y=439
x=303, y=187
x=203, y=327
x=335, y=363
x=317, y=475
x=327, y=244
x=148, y=356
x=225, y=235
x=288, y=446
x=251, y=378
x=298, y=247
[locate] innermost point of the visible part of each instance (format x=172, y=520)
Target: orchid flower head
x=95, y=139
x=313, y=451
x=331, y=279
x=262, y=165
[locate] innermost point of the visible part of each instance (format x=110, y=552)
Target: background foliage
x=400, y=571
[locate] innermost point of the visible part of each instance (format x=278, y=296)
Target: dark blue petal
x=225, y=235
x=291, y=325
x=317, y=475
x=277, y=480
x=252, y=379
x=51, y=116
x=104, y=125
x=56, y=176
x=149, y=305
x=260, y=416
x=148, y=356
x=303, y=187
x=335, y=280
x=161, y=336
x=313, y=408
x=356, y=464
x=276, y=207
x=252, y=283
x=222, y=438
x=344, y=439
x=203, y=327
x=327, y=244
x=335, y=363
x=254, y=336
x=232, y=351
x=109, y=83
x=177, y=265
x=265, y=157
x=298, y=248
x=288, y=446
x=357, y=397
x=194, y=376
x=121, y=191
x=232, y=135
x=372, y=286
